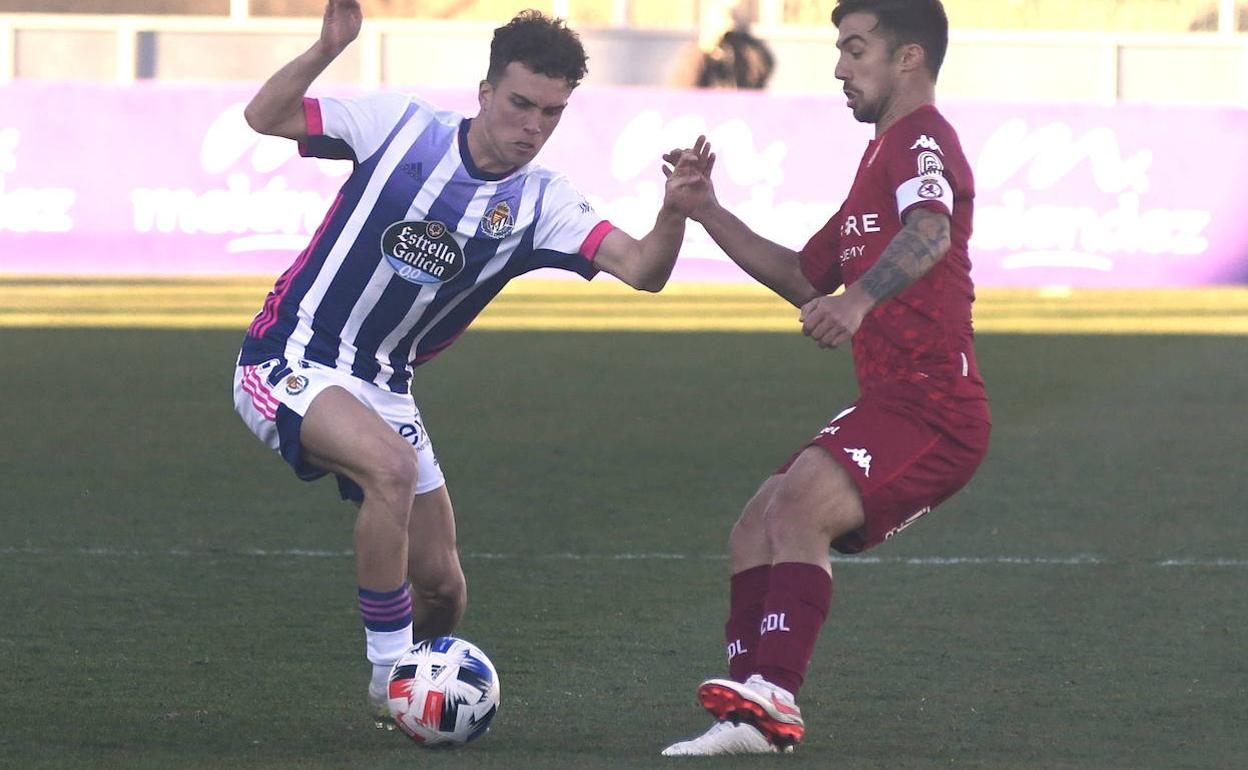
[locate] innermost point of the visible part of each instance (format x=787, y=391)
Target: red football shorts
x=903, y=466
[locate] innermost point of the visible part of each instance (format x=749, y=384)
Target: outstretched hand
x=689, y=189
x=341, y=25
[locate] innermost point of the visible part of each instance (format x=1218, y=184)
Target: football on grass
x=443, y=692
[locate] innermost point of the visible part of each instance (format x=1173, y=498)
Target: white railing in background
x=1108, y=49
x=1226, y=17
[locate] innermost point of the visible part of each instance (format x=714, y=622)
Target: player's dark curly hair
x=922, y=22
x=541, y=43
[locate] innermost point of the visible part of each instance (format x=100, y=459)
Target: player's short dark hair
x=922, y=22
x=543, y=44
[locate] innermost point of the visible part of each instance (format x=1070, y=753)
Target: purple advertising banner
x=159, y=179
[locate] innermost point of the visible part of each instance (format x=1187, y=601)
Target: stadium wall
x=167, y=179
x=1083, y=67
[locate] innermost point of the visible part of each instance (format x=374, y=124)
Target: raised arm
x=277, y=108
x=647, y=263
x=924, y=238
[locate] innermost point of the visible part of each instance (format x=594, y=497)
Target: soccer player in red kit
x=920, y=426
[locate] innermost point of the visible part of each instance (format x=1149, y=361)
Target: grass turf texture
x=174, y=598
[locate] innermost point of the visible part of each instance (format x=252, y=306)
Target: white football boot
x=768, y=707
x=379, y=706
x=722, y=739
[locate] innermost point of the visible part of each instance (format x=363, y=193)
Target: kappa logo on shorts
x=861, y=458
x=296, y=384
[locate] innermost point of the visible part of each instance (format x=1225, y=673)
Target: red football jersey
x=918, y=343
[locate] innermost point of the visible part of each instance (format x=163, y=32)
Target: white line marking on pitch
x=918, y=561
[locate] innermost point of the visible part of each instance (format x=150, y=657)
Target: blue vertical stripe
x=393, y=202
x=352, y=190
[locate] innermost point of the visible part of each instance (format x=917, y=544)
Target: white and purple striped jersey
x=416, y=244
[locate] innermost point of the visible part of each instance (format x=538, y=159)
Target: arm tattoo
x=923, y=240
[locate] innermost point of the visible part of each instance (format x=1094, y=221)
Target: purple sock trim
x=386, y=610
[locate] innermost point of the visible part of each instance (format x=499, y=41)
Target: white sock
x=384, y=648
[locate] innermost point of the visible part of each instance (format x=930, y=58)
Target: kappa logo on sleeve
x=927, y=143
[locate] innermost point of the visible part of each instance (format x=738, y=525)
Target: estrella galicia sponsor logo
x=422, y=252
x=498, y=221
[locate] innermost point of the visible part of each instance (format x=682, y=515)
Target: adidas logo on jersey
x=927, y=143
x=415, y=171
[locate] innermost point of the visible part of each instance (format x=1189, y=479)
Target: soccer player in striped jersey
x=920, y=425
x=439, y=213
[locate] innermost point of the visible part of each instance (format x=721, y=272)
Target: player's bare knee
x=785, y=525
x=751, y=527
x=445, y=593
x=391, y=479
x=749, y=534
x=794, y=519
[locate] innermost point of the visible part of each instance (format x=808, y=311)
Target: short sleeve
x=569, y=225
x=917, y=170
x=351, y=128
x=819, y=260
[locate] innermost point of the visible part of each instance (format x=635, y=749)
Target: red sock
x=747, y=592
x=797, y=604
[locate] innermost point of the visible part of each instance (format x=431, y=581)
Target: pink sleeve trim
x=312, y=114
x=315, y=125
x=589, y=248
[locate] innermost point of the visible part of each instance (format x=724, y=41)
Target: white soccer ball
x=443, y=692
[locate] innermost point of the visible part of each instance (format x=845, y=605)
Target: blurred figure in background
x=739, y=59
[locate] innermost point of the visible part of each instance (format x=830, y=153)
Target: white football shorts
x=273, y=397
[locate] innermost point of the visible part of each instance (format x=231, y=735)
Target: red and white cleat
x=724, y=738
x=758, y=702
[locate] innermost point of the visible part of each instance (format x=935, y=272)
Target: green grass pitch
x=172, y=597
